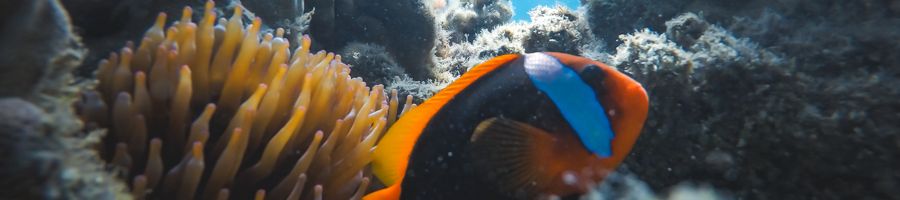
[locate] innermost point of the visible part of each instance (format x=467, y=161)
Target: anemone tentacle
x=196, y=114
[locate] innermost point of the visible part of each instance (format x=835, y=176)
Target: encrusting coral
x=267, y=123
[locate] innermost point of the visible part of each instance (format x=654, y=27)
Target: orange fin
x=526, y=162
x=512, y=152
x=390, y=193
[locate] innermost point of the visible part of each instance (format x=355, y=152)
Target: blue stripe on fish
x=576, y=100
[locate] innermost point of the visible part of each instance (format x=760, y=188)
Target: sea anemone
x=267, y=123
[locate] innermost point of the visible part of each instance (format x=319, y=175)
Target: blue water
x=521, y=7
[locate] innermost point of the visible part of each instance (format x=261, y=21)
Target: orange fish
x=514, y=127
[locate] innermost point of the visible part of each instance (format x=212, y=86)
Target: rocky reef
x=45, y=154
x=768, y=104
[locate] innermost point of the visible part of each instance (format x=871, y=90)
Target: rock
x=372, y=63
x=44, y=158
x=745, y=119
x=405, y=28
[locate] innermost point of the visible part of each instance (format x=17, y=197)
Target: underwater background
x=760, y=99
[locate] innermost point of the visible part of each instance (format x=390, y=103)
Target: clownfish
x=514, y=127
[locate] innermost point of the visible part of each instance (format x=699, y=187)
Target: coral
x=624, y=184
x=555, y=29
x=213, y=110
x=686, y=29
x=620, y=185
x=610, y=18
x=856, y=34
x=44, y=156
x=645, y=52
x=43, y=27
x=746, y=119
x=405, y=28
x=414, y=88
x=493, y=12
x=687, y=192
x=458, y=57
x=282, y=12
x=462, y=22
x=755, y=117
x=551, y=29
x=372, y=63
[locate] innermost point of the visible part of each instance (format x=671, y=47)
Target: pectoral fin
x=514, y=155
x=525, y=162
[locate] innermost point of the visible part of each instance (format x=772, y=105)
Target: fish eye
x=593, y=76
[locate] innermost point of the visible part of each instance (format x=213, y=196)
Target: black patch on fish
x=440, y=166
x=594, y=77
